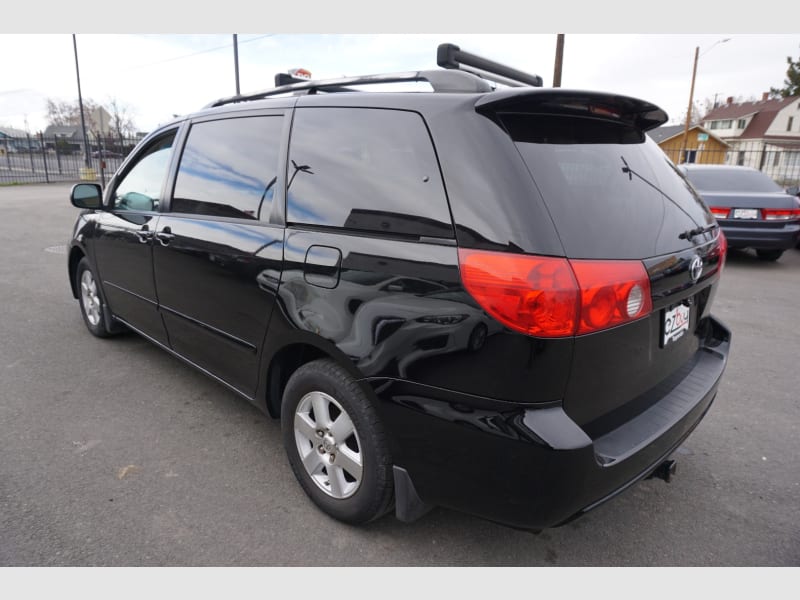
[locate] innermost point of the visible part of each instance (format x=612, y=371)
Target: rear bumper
x=534, y=467
x=766, y=236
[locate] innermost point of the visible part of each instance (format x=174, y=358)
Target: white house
x=764, y=134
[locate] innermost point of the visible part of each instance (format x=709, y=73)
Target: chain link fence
x=40, y=159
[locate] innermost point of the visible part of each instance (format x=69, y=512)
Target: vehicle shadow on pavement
x=748, y=259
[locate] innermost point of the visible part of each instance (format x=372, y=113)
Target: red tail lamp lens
x=537, y=295
x=781, y=215
x=545, y=296
x=723, y=249
x=720, y=212
x=612, y=292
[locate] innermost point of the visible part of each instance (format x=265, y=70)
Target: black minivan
x=496, y=300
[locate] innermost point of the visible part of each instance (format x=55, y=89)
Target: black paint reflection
x=395, y=331
x=216, y=286
x=507, y=424
x=399, y=310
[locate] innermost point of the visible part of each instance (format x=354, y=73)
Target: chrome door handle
x=144, y=234
x=165, y=236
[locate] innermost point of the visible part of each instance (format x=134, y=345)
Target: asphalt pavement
x=115, y=453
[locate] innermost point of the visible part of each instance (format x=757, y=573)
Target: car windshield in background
x=731, y=180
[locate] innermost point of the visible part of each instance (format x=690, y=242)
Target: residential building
x=702, y=146
x=763, y=134
x=15, y=140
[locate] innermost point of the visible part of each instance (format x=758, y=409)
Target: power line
x=166, y=60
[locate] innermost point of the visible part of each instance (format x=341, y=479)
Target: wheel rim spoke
x=312, y=462
x=321, y=414
x=342, y=427
x=337, y=480
x=304, y=426
x=349, y=461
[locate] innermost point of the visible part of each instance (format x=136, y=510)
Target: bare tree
x=121, y=118
x=58, y=112
x=699, y=111
x=64, y=113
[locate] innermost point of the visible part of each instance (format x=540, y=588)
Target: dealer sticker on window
x=676, y=322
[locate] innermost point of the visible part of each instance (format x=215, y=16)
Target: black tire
x=371, y=495
x=769, y=255
x=91, y=304
x=477, y=339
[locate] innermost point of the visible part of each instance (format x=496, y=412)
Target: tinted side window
x=228, y=168
x=140, y=187
x=366, y=169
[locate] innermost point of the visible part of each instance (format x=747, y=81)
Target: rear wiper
x=686, y=234
x=690, y=233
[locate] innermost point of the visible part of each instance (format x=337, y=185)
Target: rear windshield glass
x=731, y=180
x=611, y=191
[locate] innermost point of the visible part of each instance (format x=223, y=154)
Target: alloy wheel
x=328, y=444
x=90, y=298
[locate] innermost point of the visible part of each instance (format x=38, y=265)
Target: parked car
x=434, y=292
x=753, y=211
x=107, y=154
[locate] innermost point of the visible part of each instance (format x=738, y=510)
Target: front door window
x=140, y=188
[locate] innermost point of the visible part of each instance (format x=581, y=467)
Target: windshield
x=731, y=180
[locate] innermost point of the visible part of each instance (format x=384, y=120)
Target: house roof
x=736, y=111
x=11, y=132
x=659, y=134
x=759, y=124
x=666, y=132
x=61, y=130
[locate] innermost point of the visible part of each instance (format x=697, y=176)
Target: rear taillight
x=781, y=215
x=537, y=295
x=722, y=249
x=555, y=297
x=613, y=292
x=720, y=212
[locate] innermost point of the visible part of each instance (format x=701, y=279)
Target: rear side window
x=365, y=169
x=229, y=167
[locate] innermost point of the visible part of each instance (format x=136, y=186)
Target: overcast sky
x=160, y=75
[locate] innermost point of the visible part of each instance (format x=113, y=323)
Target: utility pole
x=236, y=60
x=80, y=105
x=559, y=60
x=682, y=156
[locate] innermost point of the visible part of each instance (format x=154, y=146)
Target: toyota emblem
x=696, y=268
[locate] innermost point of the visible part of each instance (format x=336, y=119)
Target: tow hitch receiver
x=665, y=470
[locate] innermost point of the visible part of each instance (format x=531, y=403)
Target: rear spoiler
x=642, y=115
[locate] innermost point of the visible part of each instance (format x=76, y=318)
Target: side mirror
x=87, y=195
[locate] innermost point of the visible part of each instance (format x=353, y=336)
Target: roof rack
x=465, y=73
x=441, y=81
x=451, y=56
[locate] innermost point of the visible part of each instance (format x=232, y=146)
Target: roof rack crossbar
x=440, y=81
x=451, y=56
